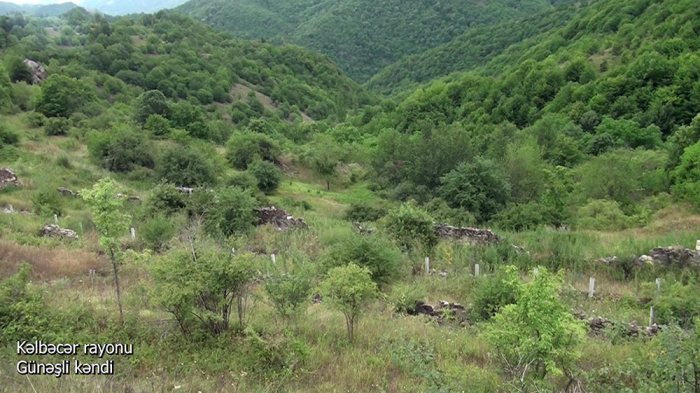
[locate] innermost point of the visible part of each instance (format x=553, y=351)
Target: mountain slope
x=37, y=9
x=362, y=36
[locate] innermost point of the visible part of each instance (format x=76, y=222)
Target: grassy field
x=393, y=352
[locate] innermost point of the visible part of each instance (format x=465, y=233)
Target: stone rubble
x=470, y=235
x=444, y=312
x=662, y=256
x=53, y=230
x=279, y=219
x=8, y=178
x=66, y=192
x=185, y=190
x=39, y=74
x=597, y=326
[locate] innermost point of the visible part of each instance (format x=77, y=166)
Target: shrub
x=64, y=161
x=47, y=202
x=158, y=126
x=267, y=174
x=230, y=212
x=602, y=214
x=403, y=297
x=8, y=136
x=381, y=258
x=121, y=150
x=57, y=126
x=185, y=166
x=199, y=287
x=288, y=292
x=61, y=96
x=364, y=212
x=164, y=199
x=686, y=176
x=152, y=102
x=35, y=119
x=23, y=314
x=243, y=149
x=442, y=212
x=494, y=292
x=524, y=216
x=244, y=180
x=347, y=289
x=409, y=225
x=157, y=232
x=678, y=304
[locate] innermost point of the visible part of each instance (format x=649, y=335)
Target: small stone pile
x=53, y=230
x=662, y=256
x=39, y=74
x=445, y=312
x=362, y=229
x=597, y=326
x=470, y=235
x=279, y=219
x=8, y=178
x=185, y=190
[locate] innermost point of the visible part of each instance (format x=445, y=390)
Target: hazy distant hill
x=123, y=7
x=37, y=9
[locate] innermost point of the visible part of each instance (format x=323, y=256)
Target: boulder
x=66, y=192
x=469, y=235
x=185, y=190
x=39, y=74
x=673, y=256
x=53, y=230
x=133, y=199
x=8, y=178
x=279, y=219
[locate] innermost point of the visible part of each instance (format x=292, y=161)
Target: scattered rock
x=66, y=192
x=133, y=199
x=608, y=260
x=470, y=235
x=672, y=256
x=8, y=178
x=317, y=298
x=597, y=326
x=443, y=274
x=279, y=218
x=39, y=74
x=56, y=231
x=185, y=190
x=444, y=313
x=361, y=229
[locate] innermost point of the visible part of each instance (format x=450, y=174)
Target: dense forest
x=361, y=36
x=257, y=216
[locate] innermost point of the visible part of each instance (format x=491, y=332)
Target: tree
x=150, y=103
x=267, y=174
x=229, y=212
x=121, y=149
x=537, y=335
x=325, y=157
x=479, y=186
x=157, y=125
x=184, y=166
x=243, y=149
x=347, y=289
x=379, y=255
x=18, y=71
x=110, y=223
x=686, y=176
x=61, y=96
x=288, y=292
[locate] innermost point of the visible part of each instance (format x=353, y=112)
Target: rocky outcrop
x=362, y=229
x=469, y=235
x=66, y=192
x=39, y=74
x=8, y=178
x=279, y=219
x=56, y=231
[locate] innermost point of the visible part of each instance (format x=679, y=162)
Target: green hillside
x=361, y=36
x=251, y=219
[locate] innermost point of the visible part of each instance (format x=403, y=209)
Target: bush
x=47, y=202
x=61, y=96
x=524, y=216
x=150, y=103
x=157, y=232
x=23, y=314
x=678, y=304
x=185, y=166
x=230, y=212
x=8, y=136
x=602, y=215
x=443, y=213
x=403, y=297
x=158, y=126
x=378, y=255
x=347, y=289
x=164, y=199
x=267, y=174
x=364, y=212
x=494, y=292
x=243, y=149
x=409, y=225
x=244, y=180
x=35, y=119
x=288, y=292
x=64, y=161
x=121, y=150
x=57, y=126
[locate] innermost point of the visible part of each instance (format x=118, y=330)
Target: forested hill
x=183, y=59
x=361, y=36
x=36, y=9
x=601, y=110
